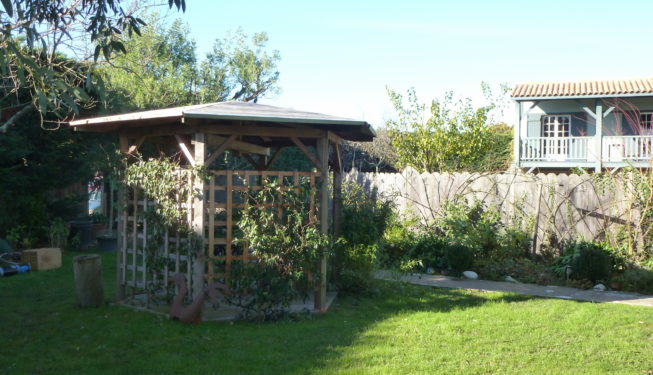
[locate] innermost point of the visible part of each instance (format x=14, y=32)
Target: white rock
x=510, y=279
x=600, y=287
x=470, y=275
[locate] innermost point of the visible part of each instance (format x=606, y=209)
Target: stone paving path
x=528, y=289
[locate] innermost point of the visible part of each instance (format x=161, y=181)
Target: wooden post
x=121, y=256
x=323, y=156
x=199, y=142
x=337, y=191
x=598, y=112
x=88, y=280
x=517, y=135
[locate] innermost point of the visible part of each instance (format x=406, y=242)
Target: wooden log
x=88, y=280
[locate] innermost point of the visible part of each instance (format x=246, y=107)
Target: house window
x=646, y=120
x=556, y=126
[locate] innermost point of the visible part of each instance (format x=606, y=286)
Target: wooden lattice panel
x=136, y=237
x=224, y=198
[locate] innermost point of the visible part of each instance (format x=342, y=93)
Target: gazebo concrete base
x=223, y=312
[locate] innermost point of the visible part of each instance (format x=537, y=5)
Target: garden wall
x=568, y=206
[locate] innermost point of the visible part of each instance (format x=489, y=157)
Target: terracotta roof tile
x=584, y=88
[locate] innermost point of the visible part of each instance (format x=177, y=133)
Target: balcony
x=569, y=152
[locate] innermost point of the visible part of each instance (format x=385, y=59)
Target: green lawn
x=403, y=330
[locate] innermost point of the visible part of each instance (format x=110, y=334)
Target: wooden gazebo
x=258, y=133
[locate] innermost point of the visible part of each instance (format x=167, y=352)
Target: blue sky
x=337, y=57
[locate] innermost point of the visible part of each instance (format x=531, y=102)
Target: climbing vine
x=280, y=230
x=169, y=190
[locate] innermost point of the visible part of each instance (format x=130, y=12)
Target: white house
x=587, y=124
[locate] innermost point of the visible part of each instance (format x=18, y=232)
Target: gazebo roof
x=229, y=113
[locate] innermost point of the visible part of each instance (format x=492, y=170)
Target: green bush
x=480, y=228
x=364, y=221
x=287, y=251
x=429, y=249
x=459, y=258
x=396, y=244
x=524, y=270
x=588, y=261
x=636, y=279
x=354, y=264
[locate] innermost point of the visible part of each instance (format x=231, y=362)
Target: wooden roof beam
x=220, y=150
x=184, y=148
x=216, y=140
x=300, y=145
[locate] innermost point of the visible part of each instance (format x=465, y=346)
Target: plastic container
x=14, y=269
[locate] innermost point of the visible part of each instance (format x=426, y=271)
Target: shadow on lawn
x=44, y=320
x=320, y=340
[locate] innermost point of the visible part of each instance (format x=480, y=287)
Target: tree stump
x=88, y=280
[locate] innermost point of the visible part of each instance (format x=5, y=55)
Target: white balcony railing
x=627, y=148
x=554, y=149
x=621, y=148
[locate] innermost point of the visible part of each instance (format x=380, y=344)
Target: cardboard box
x=42, y=259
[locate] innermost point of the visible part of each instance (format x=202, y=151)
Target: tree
x=161, y=69
x=239, y=71
x=450, y=137
x=33, y=33
x=376, y=156
x=157, y=71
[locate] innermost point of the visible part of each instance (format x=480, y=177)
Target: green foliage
x=59, y=232
x=162, y=70
x=376, y=156
x=636, y=279
x=635, y=240
x=239, y=68
x=364, y=219
x=38, y=168
x=281, y=234
x=459, y=257
x=498, y=153
x=453, y=137
x=480, y=228
x=165, y=182
x=32, y=36
x=354, y=264
x=588, y=261
x=397, y=242
x=524, y=270
x=429, y=248
x=157, y=72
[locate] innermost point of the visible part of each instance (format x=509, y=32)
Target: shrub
x=396, y=244
x=588, y=261
x=480, y=228
x=522, y=269
x=637, y=279
x=429, y=249
x=354, y=264
x=287, y=248
x=459, y=258
x=364, y=216
x=364, y=220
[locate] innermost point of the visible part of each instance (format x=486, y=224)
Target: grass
x=402, y=329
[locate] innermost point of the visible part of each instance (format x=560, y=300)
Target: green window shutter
x=534, y=125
